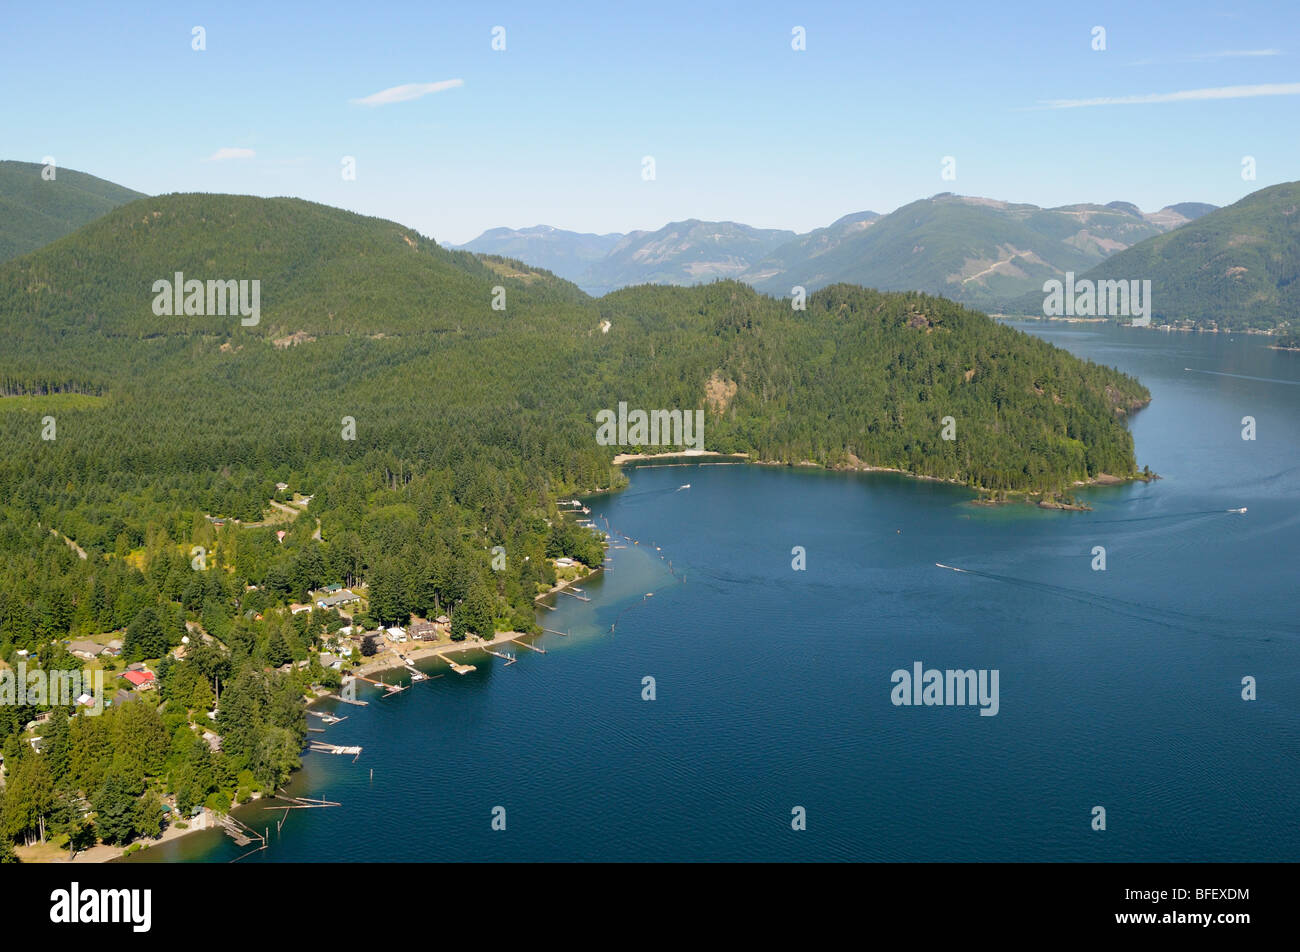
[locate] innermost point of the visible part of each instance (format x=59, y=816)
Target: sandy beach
x=101, y=853
x=622, y=458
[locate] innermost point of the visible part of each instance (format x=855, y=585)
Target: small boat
x=1242, y=509
x=419, y=676
x=683, y=486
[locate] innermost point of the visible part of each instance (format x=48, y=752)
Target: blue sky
x=553, y=129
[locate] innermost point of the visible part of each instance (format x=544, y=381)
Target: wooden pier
x=301, y=803
x=582, y=598
x=389, y=689
x=508, y=660
x=531, y=647
x=552, y=631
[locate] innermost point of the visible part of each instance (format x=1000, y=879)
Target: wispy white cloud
x=228, y=153
x=407, y=92
x=1184, y=95
x=1203, y=57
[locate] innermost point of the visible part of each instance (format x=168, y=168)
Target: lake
x=1119, y=688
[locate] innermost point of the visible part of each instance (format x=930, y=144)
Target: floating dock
x=457, y=667
x=323, y=748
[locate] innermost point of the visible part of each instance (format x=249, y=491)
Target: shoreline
x=420, y=654
x=984, y=497
x=386, y=662
x=103, y=853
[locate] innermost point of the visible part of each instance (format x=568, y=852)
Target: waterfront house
x=421, y=630
x=396, y=635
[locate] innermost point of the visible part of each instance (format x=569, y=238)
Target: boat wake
x=1196, y=622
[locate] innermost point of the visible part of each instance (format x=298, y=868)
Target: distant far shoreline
x=1165, y=328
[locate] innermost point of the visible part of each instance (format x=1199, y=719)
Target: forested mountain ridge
x=977, y=251
x=1236, y=267
x=35, y=209
x=428, y=425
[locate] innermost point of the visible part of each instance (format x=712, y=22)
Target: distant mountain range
x=35, y=211
x=567, y=254
x=978, y=251
x=682, y=252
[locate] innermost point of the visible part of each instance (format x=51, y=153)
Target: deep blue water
x=1119, y=688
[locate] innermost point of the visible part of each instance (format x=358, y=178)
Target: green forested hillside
x=34, y=211
x=469, y=422
x=866, y=377
x=1233, y=268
